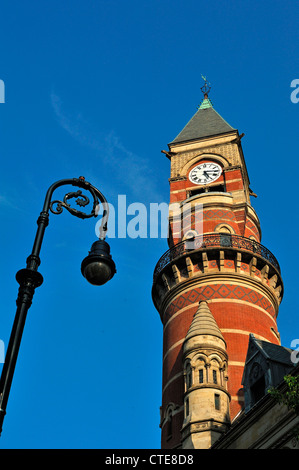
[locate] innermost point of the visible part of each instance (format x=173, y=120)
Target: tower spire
x=226, y=266
x=203, y=323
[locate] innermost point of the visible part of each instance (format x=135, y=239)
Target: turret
x=206, y=399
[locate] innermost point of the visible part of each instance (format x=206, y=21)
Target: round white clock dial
x=205, y=173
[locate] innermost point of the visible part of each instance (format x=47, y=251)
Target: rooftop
x=206, y=122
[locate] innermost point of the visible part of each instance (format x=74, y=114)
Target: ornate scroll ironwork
x=81, y=201
x=217, y=240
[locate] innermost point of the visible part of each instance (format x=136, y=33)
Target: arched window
x=200, y=373
x=190, y=235
x=224, y=228
x=215, y=370
x=188, y=376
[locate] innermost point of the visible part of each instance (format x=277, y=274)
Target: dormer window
x=258, y=389
x=257, y=382
x=266, y=365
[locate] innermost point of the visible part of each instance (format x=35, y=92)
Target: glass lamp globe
x=98, y=267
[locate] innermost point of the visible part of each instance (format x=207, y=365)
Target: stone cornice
x=245, y=422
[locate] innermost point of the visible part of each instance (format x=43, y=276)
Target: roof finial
x=206, y=102
x=206, y=87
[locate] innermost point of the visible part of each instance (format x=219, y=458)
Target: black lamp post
x=98, y=268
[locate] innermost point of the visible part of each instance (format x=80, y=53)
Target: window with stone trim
x=217, y=401
x=224, y=228
x=187, y=407
x=188, y=376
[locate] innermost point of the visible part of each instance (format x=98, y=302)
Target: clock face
x=205, y=173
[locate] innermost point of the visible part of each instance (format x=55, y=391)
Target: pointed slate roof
x=271, y=351
x=203, y=323
x=206, y=122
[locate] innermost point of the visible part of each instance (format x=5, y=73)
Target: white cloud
x=132, y=172
x=9, y=203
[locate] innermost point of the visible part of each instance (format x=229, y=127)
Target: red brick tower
x=215, y=256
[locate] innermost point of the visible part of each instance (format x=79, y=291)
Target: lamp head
x=98, y=267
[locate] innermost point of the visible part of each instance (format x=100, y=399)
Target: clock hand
x=212, y=172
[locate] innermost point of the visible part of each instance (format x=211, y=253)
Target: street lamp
x=98, y=268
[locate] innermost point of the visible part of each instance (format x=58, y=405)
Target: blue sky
x=99, y=88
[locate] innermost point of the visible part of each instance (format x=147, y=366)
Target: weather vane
x=206, y=87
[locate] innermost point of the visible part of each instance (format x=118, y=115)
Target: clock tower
x=215, y=284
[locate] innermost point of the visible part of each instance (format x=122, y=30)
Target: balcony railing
x=217, y=240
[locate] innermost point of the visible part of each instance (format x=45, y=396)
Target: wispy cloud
x=132, y=171
x=9, y=203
